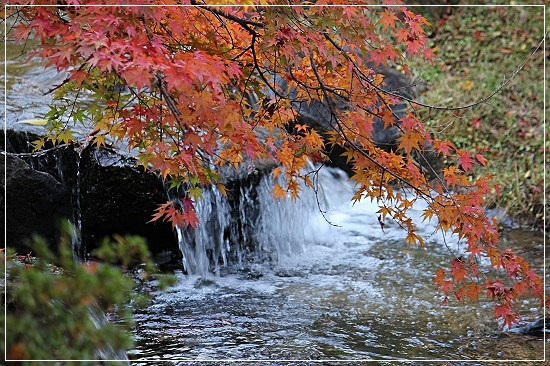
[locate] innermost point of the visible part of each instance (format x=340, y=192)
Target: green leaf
x=195, y=193
x=175, y=183
x=194, y=180
x=38, y=144
x=66, y=136
x=79, y=115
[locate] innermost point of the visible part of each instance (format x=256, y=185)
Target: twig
x=502, y=85
x=245, y=23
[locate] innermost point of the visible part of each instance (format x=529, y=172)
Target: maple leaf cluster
x=195, y=87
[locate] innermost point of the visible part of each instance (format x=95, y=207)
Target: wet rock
x=535, y=328
x=116, y=196
x=289, y=272
x=250, y=274
x=205, y=282
x=503, y=218
x=35, y=203
x=108, y=193
x=100, y=190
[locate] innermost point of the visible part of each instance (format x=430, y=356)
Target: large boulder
x=102, y=191
x=35, y=204
x=106, y=192
x=116, y=196
x=535, y=328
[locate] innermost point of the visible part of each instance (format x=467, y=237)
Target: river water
x=346, y=292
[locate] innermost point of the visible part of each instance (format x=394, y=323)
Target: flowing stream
x=346, y=292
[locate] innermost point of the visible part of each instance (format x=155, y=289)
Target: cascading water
x=208, y=241
x=72, y=181
x=257, y=227
x=77, y=239
x=283, y=226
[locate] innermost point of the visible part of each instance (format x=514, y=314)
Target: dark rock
x=105, y=193
x=289, y=272
x=244, y=204
x=250, y=274
x=35, y=204
x=116, y=196
x=108, y=193
x=535, y=328
x=205, y=282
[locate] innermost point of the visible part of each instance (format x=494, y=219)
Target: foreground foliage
x=56, y=305
x=192, y=88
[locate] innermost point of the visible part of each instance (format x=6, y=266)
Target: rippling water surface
x=353, y=292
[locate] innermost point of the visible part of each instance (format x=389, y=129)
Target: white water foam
x=283, y=231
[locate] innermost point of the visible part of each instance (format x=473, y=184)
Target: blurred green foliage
x=56, y=306
x=477, y=48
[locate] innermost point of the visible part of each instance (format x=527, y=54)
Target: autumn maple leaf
x=201, y=84
x=458, y=271
x=388, y=19
x=504, y=311
x=465, y=160
x=410, y=141
x=481, y=159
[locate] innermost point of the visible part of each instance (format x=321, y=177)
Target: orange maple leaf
x=388, y=19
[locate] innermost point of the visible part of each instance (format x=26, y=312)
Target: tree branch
x=244, y=23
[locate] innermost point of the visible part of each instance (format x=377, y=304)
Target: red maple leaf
x=136, y=76
x=402, y=35
x=377, y=58
x=465, y=160
x=481, y=159
x=458, y=271
x=444, y=147
x=504, y=311
x=414, y=46
x=409, y=122
x=439, y=277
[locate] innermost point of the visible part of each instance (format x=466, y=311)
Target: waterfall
x=254, y=226
x=208, y=241
x=283, y=226
x=76, y=238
